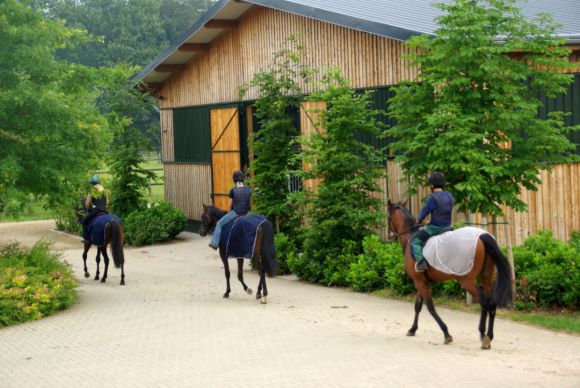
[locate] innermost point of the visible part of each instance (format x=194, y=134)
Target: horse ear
x=204, y=206
x=389, y=204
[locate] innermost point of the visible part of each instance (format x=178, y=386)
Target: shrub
x=286, y=251
x=33, y=283
x=160, y=222
x=380, y=265
x=547, y=272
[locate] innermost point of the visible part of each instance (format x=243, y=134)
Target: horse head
x=401, y=221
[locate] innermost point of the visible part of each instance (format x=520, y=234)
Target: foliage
x=158, y=223
x=343, y=210
x=128, y=31
x=547, y=272
x=51, y=131
x=472, y=113
x=274, y=145
x=119, y=102
x=33, y=283
x=286, y=251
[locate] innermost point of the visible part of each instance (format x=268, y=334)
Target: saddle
x=453, y=252
x=238, y=237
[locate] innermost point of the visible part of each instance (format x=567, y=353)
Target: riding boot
x=421, y=265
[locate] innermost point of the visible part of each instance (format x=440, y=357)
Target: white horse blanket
x=453, y=252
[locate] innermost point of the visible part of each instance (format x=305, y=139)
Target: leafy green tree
x=344, y=208
x=51, y=132
x=274, y=144
x=120, y=101
x=472, y=112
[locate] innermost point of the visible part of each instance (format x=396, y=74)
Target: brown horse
x=487, y=255
x=264, y=258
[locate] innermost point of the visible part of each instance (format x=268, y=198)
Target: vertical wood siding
x=232, y=60
x=166, y=117
x=555, y=206
x=188, y=187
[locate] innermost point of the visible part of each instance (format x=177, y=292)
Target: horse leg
x=98, y=260
x=227, y=273
x=241, y=276
x=442, y=325
x=106, y=260
x=122, y=275
x=418, y=307
x=262, y=285
x=87, y=246
x=478, y=294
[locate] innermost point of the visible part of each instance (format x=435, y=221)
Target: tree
x=274, y=144
x=119, y=102
x=51, y=132
x=344, y=209
x=472, y=112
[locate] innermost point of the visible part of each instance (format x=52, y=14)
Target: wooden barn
x=205, y=126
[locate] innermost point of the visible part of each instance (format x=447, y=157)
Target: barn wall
x=233, y=59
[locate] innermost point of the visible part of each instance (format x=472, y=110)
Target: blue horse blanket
x=96, y=228
x=239, y=236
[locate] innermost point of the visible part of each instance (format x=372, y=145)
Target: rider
x=96, y=202
x=239, y=206
x=440, y=205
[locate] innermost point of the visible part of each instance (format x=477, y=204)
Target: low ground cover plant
x=34, y=283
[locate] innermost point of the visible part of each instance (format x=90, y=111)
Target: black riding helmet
x=437, y=179
x=239, y=176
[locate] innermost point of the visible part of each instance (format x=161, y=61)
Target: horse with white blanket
x=465, y=255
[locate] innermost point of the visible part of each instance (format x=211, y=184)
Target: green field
x=37, y=210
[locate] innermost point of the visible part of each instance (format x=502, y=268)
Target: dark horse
x=113, y=235
x=264, y=258
x=487, y=255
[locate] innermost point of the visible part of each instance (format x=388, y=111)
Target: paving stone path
x=170, y=327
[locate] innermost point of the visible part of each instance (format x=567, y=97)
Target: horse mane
x=217, y=211
x=410, y=220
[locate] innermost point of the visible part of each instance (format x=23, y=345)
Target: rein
x=412, y=228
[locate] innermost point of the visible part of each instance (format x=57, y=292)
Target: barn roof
x=389, y=18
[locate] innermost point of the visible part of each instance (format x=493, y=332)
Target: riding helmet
x=94, y=180
x=239, y=176
x=437, y=179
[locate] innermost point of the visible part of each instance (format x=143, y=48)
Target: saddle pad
x=239, y=236
x=96, y=228
x=453, y=252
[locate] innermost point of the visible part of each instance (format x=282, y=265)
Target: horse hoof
x=249, y=291
x=448, y=340
x=122, y=283
x=486, y=343
x=226, y=296
x=258, y=295
x=103, y=280
x=410, y=333
x=87, y=274
x=97, y=278
x=263, y=300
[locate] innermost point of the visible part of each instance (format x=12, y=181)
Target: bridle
x=394, y=235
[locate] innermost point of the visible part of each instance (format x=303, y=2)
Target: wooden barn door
x=225, y=153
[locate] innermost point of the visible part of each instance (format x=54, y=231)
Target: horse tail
x=268, y=250
x=117, y=240
x=502, y=289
